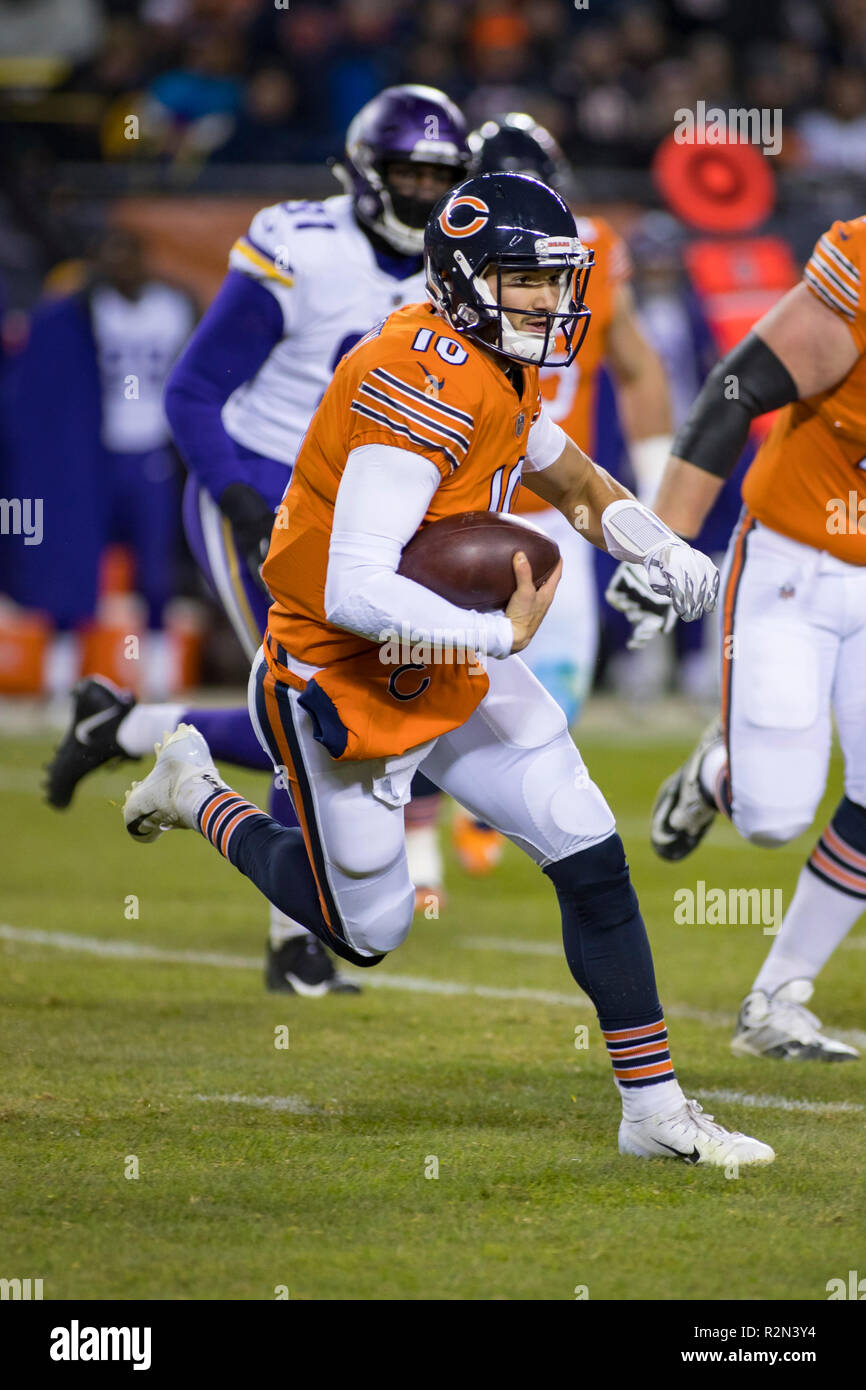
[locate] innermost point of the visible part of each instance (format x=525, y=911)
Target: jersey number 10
x=447, y=348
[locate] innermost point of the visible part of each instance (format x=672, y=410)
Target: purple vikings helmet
x=411, y=123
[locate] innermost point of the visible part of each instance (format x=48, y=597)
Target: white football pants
x=793, y=654
x=512, y=764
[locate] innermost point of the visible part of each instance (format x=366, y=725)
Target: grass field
x=305, y=1167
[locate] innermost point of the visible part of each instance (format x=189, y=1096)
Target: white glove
x=686, y=576
x=649, y=613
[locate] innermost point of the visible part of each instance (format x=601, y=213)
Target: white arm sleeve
x=381, y=501
x=546, y=442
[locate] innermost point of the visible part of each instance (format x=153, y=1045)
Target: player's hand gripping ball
x=468, y=559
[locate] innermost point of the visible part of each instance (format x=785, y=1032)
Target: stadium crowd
x=237, y=83
x=264, y=80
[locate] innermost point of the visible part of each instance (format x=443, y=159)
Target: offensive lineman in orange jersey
x=562, y=654
x=794, y=628
x=434, y=412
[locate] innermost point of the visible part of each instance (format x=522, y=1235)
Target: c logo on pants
x=408, y=694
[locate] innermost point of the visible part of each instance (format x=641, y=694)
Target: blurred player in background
x=673, y=319
x=383, y=455
x=304, y=284
x=84, y=425
x=794, y=623
x=562, y=654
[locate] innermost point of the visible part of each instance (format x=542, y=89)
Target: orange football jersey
x=807, y=479
x=413, y=384
x=569, y=393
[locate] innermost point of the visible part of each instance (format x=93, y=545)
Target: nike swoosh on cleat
x=134, y=827
x=85, y=727
x=305, y=990
x=693, y=1157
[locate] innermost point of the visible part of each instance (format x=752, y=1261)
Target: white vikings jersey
x=137, y=342
x=323, y=272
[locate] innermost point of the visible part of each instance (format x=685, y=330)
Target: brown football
x=468, y=558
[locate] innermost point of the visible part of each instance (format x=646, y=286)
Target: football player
x=563, y=652
x=102, y=455
x=384, y=455
x=794, y=623
x=304, y=284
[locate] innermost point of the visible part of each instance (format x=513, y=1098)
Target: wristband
x=632, y=532
x=648, y=460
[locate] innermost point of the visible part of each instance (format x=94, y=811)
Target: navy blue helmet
x=501, y=223
x=410, y=123
x=516, y=144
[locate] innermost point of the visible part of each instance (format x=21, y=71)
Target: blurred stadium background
x=177, y=119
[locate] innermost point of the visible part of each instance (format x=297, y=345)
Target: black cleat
x=90, y=742
x=681, y=814
x=301, y=965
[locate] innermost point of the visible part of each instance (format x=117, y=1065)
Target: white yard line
x=812, y=1107
x=517, y=948
x=410, y=984
x=416, y=985
x=855, y=1036
x=292, y=1105
x=127, y=950
x=135, y=950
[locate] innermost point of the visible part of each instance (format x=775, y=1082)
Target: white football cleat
x=778, y=1025
x=691, y=1136
x=168, y=797
x=681, y=814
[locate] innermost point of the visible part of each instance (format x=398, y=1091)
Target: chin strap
x=528, y=347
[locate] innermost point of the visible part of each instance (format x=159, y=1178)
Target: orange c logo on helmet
x=469, y=201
